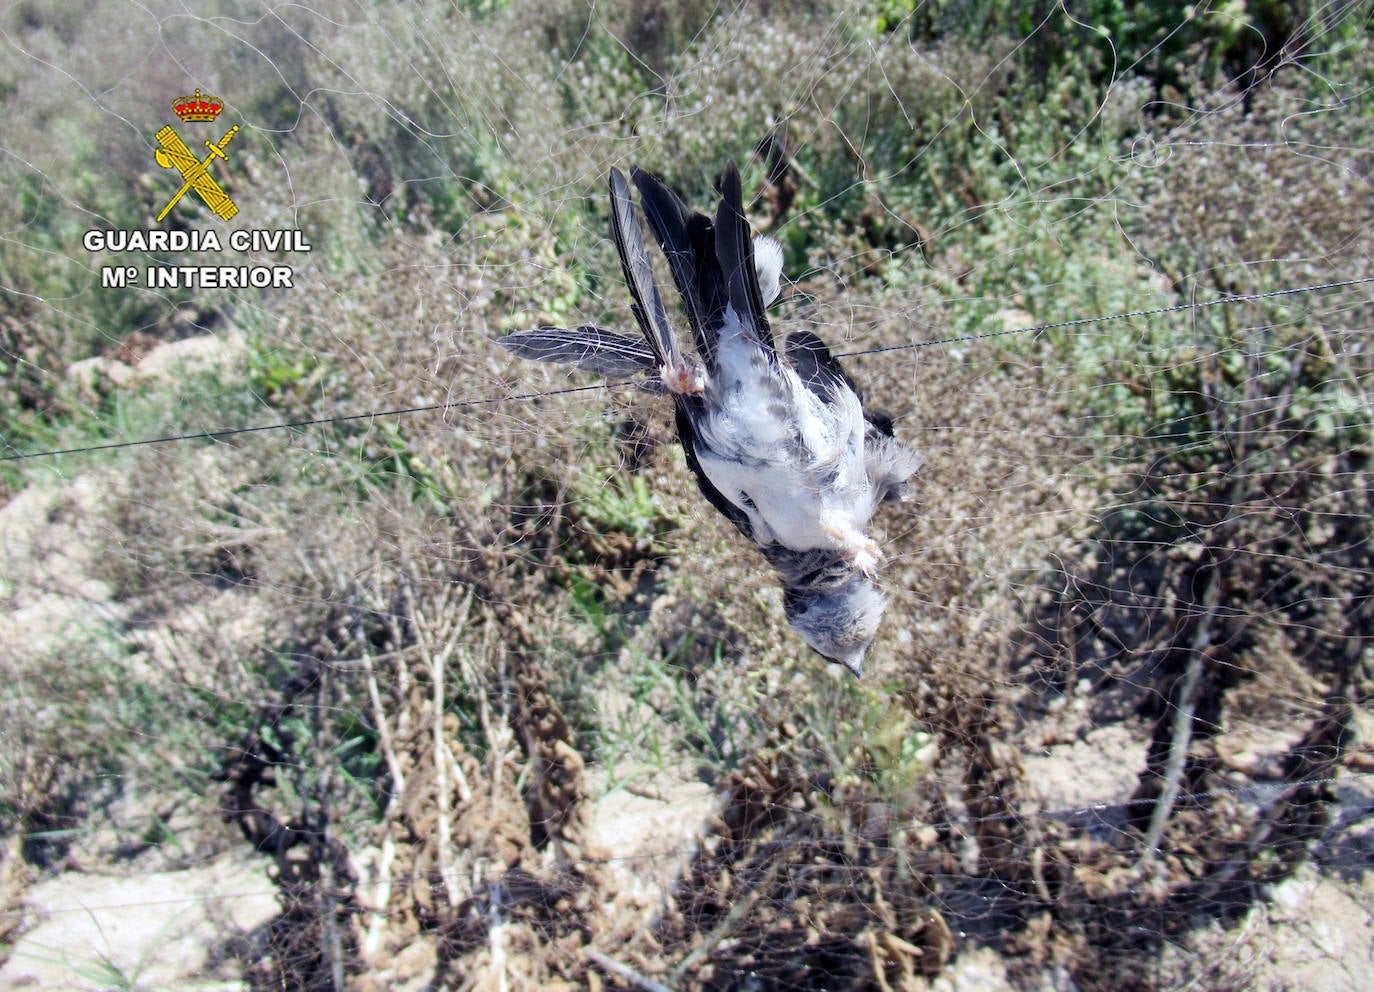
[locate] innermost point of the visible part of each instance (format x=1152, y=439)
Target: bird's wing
x=735, y=254
x=822, y=373
x=590, y=348
x=816, y=366
x=646, y=304
x=686, y=430
x=888, y=462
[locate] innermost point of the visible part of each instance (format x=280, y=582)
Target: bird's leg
x=862, y=550
x=683, y=377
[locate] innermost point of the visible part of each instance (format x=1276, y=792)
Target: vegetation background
x=484, y=690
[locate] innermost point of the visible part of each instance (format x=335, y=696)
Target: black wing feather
x=887, y=461
x=822, y=373
x=818, y=368
x=688, y=435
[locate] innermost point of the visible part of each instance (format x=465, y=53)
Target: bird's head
x=839, y=622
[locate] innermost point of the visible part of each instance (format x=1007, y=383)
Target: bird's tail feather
x=735, y=252
x=678, y=231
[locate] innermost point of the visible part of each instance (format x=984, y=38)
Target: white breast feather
x=770, y=439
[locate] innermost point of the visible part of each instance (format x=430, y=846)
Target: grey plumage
x=779, y=440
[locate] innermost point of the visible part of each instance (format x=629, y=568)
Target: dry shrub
x=800, y=884
x=401, y=641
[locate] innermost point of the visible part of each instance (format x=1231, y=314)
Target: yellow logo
x=195, y=172
x=187, y=271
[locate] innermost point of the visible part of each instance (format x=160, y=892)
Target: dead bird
x=779, y=440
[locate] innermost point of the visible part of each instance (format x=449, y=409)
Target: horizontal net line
x=301, y=424
x=523, y=397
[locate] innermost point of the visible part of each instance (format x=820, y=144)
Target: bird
x=776, y=434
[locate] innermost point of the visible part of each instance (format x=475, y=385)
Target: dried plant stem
x=448, y=625
x=737, y=912
x=1185, y=706
x=614, y=967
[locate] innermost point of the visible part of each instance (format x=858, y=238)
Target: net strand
x=1035, y=329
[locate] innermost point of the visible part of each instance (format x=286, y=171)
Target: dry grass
x=390, y=650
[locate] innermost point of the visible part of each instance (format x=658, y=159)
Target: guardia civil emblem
x=195, y=171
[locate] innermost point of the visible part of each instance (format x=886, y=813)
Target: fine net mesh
x=344, y=649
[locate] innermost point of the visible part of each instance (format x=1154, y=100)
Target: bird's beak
x=854, y=663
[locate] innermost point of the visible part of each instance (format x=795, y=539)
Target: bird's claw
x=866, y=557
x=862, y=551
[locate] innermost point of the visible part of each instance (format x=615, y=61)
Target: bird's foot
x=866, y=558
x=684, y=379
x=862, y=551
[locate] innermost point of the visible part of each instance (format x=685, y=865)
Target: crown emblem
x=192, y=109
